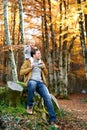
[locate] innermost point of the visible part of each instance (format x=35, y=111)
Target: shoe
x=54, y=124
x=29, y=111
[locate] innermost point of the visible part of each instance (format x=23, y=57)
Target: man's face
x=37, y=55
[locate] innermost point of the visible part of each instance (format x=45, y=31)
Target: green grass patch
x=84, y=100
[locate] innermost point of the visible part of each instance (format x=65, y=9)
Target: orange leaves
x=54, y=2
x=85, y=10
x=8, y=47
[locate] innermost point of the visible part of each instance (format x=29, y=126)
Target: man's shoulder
x=26, y=61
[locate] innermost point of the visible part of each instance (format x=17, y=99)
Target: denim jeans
x=41, y=89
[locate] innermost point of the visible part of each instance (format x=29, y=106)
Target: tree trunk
x=13, y=17
x=60, y=55
x=54, y=49
x=46, y=48
x=63, y=79
x=69, y=52
x=21, y=23
x=65, y=66
x=8, y=42
x=82, y=39
x=86, y=24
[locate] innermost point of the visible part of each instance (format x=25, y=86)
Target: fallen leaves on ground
x=73, y=117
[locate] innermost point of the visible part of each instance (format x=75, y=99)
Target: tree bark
x=54, y=50
x=82, y=39
x=21, y=23
x=8, y=42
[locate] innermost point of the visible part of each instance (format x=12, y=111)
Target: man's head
x=36, y=54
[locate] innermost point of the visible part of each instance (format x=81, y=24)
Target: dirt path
x=75, y=105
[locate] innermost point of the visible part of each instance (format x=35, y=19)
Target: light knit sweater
x=36, y=72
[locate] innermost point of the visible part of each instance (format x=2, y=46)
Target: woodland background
x=59, y=29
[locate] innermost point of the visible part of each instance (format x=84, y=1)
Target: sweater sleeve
x=44, y=69
x=25, y=68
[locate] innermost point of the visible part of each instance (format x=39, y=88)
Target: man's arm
x=25, y=68
x=45, y=70
x=43, y=67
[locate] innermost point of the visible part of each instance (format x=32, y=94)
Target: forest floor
x=72, y=116
x=77, y=106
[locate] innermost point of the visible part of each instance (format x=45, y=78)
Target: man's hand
x=41, y=65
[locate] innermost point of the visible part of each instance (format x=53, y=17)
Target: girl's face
x=32, y=45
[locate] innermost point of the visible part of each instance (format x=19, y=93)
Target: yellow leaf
x=85, y=10
x=54, y=2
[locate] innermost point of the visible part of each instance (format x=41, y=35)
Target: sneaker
x=54, y=124
x=29, y=111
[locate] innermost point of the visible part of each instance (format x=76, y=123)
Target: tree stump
x=14, y=92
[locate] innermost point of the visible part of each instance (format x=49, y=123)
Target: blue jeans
x=41, y=89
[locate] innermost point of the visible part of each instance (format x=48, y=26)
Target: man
x=35, y=79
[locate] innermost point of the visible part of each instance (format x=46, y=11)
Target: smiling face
x=37, y=55
x=32, y=45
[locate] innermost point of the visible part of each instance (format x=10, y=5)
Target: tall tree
x=46, y=45
x=54, y=49
x=65, y=78
x=82, y=37
x=60, y=91
x=21, y=22
x=85, y=15
x=8, y=42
